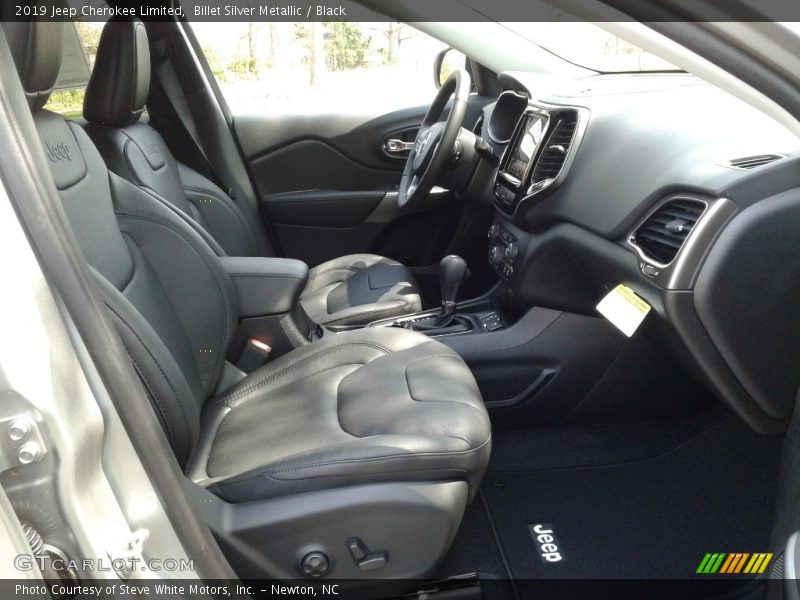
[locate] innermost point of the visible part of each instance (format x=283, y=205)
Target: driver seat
x=349, y=291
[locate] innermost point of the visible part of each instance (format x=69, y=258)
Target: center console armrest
x=266, y=286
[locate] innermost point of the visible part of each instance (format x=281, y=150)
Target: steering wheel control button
x=458, y=154
x=365, y=559
x=315, y=564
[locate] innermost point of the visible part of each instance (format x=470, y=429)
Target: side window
x=80, y=49
x=320, y=67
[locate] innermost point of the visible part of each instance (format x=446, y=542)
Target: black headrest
x=37, y=47
x=120, y=80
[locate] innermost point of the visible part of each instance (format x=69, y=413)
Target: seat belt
x=175, y=95
x=172, y=88
x=232, y=178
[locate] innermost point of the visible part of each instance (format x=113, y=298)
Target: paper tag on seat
x=624, y=309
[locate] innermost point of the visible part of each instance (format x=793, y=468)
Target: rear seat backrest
x=115, y=98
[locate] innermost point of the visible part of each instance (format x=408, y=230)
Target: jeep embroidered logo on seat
x=549, y=546
x=57, y=151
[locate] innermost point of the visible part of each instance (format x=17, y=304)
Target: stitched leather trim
x=221, y=297
x=271, y=473
x=226, y=400
x=397, y=309
x=225, y=202
x=186, y=218
x=163, y=374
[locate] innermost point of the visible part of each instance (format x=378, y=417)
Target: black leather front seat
x=353, y=430
x=351, y=290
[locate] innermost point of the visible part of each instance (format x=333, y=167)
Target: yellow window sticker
x=624, y=309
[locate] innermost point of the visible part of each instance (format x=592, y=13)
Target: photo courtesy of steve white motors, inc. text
x=166, y=589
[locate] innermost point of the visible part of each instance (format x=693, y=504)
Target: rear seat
x=351, y=290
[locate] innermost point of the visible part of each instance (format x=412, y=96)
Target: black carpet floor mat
x=474, y=549
x=650, y=518
x=639, y=501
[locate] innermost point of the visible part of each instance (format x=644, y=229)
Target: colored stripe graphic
x=759, y=563
x=734, y=563
x=732, y=558
x=711, y=563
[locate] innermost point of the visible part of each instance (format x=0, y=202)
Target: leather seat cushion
x=360, y=406
x=358, y=289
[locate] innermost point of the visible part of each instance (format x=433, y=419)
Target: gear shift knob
x=453, y=271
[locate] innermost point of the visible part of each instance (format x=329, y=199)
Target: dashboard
x=672, y=187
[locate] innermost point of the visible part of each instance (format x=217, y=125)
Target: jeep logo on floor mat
x=545, y=538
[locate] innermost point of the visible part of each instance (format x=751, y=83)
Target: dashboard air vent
x=556, y=148
x=661, y=236
x=751, y=162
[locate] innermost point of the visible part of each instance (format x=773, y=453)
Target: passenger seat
x=372, y=439
x=348, y=291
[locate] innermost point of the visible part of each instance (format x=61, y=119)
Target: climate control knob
x=494, y=232
x=496, y=255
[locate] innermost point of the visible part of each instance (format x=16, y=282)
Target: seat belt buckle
x=254, y=355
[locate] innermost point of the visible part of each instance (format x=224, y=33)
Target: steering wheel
x=435, y=141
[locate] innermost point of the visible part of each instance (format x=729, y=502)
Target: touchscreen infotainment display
x=526, y=147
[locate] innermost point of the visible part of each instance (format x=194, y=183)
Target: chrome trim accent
x=681, y=272
x=642, y=254
x=510, y=179
x=582, y=115
x=395, y=146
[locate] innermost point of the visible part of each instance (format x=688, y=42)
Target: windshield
x=591, y=47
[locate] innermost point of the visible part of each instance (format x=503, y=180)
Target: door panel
x=318, y=225
x=355, y=137
x=317, y=164
x=322, y=181
x=321, y=208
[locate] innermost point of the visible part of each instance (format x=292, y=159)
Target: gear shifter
x=453, y=271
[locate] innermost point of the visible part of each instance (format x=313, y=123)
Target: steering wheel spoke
x=435, y=141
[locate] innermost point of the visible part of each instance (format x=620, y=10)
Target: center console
x=477, y=316
x=452, y=318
